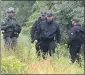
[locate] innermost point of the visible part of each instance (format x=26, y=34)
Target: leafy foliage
x=11, y=65
x=24, y=59
x=63, y=12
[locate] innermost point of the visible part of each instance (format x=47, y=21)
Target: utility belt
x=9, y=34
x=47, y=39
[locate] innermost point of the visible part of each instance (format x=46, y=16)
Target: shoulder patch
x=71, y=33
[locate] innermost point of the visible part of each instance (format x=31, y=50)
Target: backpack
x=77, y=34
x=80, y=35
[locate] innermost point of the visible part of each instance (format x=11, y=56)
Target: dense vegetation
x=24, y=59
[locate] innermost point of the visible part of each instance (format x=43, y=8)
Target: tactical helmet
x=11, y=9
x=43, y=13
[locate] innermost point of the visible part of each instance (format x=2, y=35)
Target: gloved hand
x=35, y=41
x=3, y=32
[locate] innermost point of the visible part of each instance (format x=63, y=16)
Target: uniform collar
x=50, y=22
x=77, y=25
x=39, y=19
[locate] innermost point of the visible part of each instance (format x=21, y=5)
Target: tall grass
x=24, y=60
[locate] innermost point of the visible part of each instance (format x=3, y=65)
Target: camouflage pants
x=10, y=42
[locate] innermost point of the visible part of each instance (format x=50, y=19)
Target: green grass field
x=24, y=60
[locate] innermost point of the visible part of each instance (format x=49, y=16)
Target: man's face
x=73, y=22
x=43, y=17
x=49, y=18
x=11, y=14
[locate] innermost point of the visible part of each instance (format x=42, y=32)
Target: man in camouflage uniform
x=10, y=29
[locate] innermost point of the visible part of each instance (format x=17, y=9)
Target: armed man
x=34, y=30
x=10, y=29
x=48, y=35
x=76, y=38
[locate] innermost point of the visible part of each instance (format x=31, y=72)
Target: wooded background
x=27, y=12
